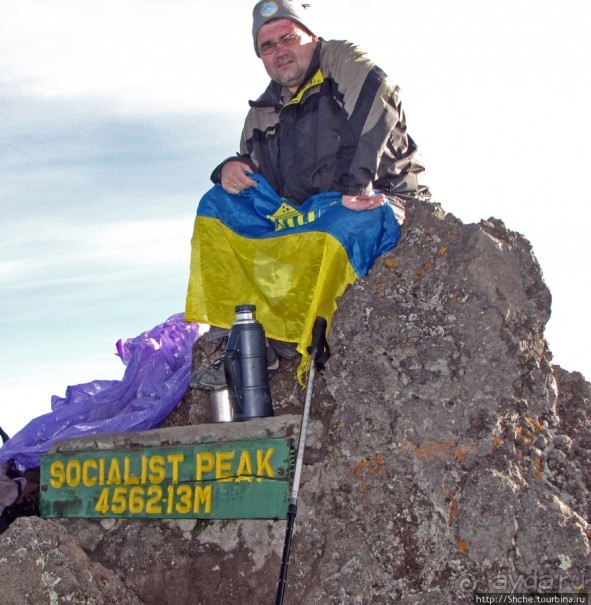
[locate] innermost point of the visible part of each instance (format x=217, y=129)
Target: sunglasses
x=268, y=48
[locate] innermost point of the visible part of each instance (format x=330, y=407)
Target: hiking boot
x=285, y=350
x=272, y=360
x=213, y=377
x=209, y=378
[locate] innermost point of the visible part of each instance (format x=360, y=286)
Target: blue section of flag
x=258, y=212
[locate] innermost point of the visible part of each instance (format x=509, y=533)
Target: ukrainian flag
x=292, y=262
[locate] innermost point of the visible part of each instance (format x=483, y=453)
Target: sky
x=113, y=114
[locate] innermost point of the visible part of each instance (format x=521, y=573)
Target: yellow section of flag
x=291, y=279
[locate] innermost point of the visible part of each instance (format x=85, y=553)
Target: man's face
x=289, y=60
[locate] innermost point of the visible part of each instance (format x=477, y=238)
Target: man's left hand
x=364, y=202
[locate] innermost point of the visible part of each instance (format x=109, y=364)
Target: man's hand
x=234, y=177
x=364, y=202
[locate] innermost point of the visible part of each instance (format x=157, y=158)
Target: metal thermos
x=221, y=406
x=245, y=366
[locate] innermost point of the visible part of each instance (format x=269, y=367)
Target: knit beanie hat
x=267, y=10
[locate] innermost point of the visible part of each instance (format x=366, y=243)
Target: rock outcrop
x=455, y=458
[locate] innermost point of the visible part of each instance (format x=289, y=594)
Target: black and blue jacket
x=343, y=130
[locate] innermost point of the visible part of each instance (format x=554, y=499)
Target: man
x=345, y=130
x=329, y=121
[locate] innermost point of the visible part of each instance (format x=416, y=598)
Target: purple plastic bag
x=155, y=380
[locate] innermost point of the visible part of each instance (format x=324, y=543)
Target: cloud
x=97, y=215
x=25, y=400
x=140, y=55
x=95, y=202
x=80, y=252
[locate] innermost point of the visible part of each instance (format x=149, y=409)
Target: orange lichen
x=452, y=510
x=463, y=545
x=423, y=271
x=533, y=426
x=433, y=450
x=374, y=465
x=537, y=426
x=391, y=263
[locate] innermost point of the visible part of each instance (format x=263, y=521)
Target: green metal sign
x=230, y=480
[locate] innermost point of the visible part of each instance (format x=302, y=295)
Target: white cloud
x=140, y=55
x=24, y=400
x=36, y=254
x=163, y=242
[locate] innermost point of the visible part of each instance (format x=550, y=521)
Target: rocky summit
x=450, y=456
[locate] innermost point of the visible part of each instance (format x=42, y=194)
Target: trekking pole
x=319, y=352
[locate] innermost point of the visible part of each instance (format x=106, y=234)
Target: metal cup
x=221, y=406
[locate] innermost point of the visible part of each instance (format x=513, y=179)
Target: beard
x=287, y=71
